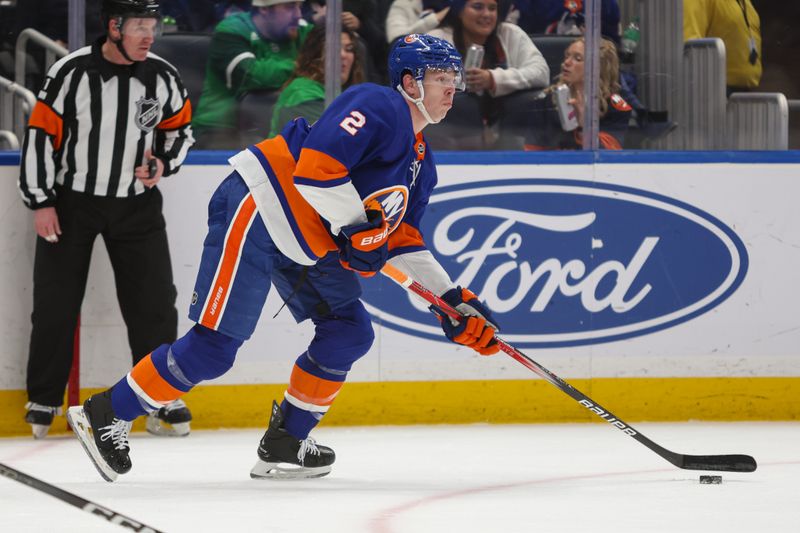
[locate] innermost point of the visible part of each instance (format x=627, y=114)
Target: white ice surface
x=456, y=479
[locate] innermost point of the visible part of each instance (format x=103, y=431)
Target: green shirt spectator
x=304, y=96
x=249, y=51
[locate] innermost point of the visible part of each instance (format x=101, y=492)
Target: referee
x=111, y=120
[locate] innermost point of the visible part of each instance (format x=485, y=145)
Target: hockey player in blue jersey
x=308, y=211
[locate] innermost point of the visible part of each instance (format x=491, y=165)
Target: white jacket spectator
x=407, y=16
x=527, y=67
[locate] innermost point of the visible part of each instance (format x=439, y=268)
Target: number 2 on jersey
x=353, y=123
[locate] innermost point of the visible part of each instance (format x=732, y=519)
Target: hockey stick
x=76, y=501
x=722, y=463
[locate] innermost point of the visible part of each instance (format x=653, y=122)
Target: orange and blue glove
x=365, y=247
x=476, y=329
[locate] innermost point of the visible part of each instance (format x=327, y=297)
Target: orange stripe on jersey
x=43, y=117
x=309, y=388
x=181, y=118
x=150, y=381
x=308, y=222
x=234, y=241
x=405, y=235
x=317, y=165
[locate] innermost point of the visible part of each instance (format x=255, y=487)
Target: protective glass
x=141, y=27
x=445, y=76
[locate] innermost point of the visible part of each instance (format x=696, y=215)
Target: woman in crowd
x=511, y=63
x=414, y=16
x=304, y=93
x=360, y=17
x=548, y=133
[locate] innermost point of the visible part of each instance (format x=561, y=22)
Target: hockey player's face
x=572, y=66
x=440, y=88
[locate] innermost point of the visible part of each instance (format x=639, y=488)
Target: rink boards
x=663, y=285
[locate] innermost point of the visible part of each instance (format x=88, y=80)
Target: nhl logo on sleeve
x=147, y=113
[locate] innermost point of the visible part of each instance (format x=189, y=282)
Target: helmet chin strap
x=418, y=101
x=122, y=50
x=120, y=47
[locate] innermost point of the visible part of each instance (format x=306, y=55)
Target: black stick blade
x=719, y=463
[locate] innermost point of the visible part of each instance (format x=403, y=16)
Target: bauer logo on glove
x=364, y=247
x=373, y=240
x=477, y=327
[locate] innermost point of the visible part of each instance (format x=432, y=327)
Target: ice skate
x=281, y=456
x=172, y=420
x=40, y=417
x=103, y=436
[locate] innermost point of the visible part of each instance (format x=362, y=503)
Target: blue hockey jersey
x=309, y=182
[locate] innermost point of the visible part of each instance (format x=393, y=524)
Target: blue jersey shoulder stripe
x=321, y=184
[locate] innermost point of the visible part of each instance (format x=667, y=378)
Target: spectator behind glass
x=414, y=16
x=304, y=95
x=511, y=63
x=565, y=17
x=249, y=52
x=737, y=23
x=547, y=133
x=360, y=17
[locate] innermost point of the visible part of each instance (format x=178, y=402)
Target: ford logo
x=566, y=263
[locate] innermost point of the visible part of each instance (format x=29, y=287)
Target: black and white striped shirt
x=93, y=122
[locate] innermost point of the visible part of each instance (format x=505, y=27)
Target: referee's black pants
x=135, y=235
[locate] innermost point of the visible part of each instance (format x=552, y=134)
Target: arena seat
x=255, y=115
x=552, y=48
x=188, y=53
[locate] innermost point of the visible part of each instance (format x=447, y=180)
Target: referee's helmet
x=130, y=9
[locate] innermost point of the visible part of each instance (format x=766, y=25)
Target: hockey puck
x=710, y=480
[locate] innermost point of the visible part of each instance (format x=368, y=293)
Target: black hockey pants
x=135, y=235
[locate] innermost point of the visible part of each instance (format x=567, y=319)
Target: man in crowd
x=249, y=51
x=737, y=23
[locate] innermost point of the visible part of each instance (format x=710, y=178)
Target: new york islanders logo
x=394, y=201
x=147, y=111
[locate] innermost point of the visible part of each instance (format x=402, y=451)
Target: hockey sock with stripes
x=311, y=392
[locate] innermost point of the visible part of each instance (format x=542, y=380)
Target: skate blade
x=265, y=470
x=159, y=428
x=39, y=431
x=83, y=430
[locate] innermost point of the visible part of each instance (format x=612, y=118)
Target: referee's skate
x=172, y=420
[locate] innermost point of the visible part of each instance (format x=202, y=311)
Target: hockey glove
x=364, y=247
x=476, y=329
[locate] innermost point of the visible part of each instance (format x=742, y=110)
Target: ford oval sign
x=565, y=263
